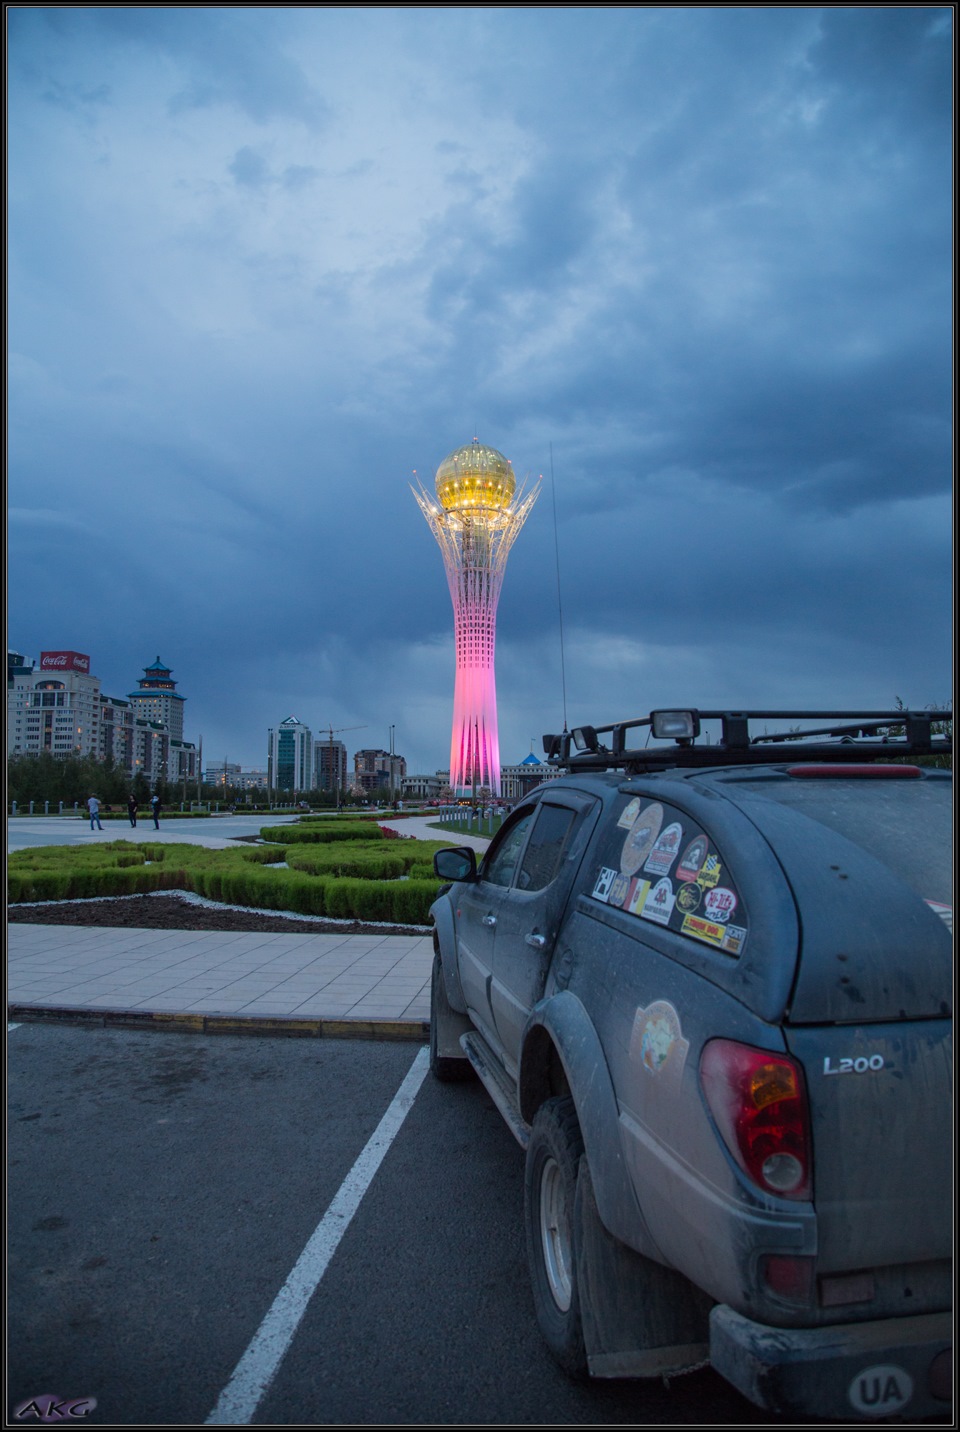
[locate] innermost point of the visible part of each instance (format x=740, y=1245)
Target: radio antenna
x=556, y=544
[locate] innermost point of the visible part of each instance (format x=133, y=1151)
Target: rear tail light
x=758, y=1101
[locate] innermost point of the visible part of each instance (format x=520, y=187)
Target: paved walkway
x=321, y=984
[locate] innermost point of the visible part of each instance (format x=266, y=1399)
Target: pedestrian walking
x=93, y=806
x=132, y=809
x=155, y=807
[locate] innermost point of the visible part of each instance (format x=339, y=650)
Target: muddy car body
x=709, y=988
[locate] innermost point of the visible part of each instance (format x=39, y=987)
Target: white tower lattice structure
x=475, y=517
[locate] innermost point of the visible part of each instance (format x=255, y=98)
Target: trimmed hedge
x=314, y=832
x=345, y=883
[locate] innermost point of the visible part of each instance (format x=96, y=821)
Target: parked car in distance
x=708, y=985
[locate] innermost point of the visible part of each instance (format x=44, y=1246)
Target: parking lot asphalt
x=334, y=985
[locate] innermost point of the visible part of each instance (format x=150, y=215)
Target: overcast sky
x=267, y=264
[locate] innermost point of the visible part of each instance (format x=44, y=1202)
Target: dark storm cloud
x=266, y=263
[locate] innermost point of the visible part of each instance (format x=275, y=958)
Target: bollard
x=31, y=807
x=60, y=811
x=46, y=807
x=14, y=807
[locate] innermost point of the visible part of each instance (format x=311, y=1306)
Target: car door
x=530, y=911
x=478, y=912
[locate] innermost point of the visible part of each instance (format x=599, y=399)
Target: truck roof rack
x=851, y=736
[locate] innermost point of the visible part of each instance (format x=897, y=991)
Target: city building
x=518, y=781
x=118, y=732
x=182, y=762
x=253, y=779
x=157, y=698
x=424, y=787
x=374, y=769
x=53, y=707
x=329, y=765
x=58, y=707
x=290, y=756
x=225, y=774
x=229, y=774
x=475, y=517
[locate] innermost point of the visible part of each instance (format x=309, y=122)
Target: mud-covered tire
x=445, y=1024
x=550, y=1185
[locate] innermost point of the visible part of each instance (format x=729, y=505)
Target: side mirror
x=459, y=863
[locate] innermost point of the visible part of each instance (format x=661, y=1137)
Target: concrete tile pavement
x=335, y=984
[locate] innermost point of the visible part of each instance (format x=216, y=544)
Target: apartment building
x=56, y=706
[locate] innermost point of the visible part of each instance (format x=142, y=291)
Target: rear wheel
x=550, y=1185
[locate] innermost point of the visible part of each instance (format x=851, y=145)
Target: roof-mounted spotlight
x=585, y=738
x=675, y=725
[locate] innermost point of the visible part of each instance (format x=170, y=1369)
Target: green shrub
x=265, y=854
x=315, y=832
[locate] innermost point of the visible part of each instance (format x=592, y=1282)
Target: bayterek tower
x=475, y=518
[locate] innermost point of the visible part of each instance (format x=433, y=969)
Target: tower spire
x=475, y=517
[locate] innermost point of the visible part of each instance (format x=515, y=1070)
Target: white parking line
x=257, y=1368
x=12, y=1026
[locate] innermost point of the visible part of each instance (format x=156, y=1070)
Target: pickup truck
x=708, y=986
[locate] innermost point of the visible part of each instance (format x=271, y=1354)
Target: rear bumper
x=893, y=1368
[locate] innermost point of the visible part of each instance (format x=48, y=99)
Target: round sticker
x=720, y=905
x=619, y=890
x=688, y=898
x=640, y=838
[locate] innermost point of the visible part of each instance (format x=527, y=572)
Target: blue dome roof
x=531, y=760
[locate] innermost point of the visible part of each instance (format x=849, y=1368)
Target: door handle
x=489, y=920
x=537, y=941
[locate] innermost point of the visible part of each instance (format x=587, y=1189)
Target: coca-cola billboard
x=65, y=661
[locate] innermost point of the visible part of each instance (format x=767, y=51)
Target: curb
x=417, y=1030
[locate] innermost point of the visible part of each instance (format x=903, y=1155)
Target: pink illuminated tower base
x=475, y=518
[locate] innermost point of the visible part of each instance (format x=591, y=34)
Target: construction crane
x=335, y=780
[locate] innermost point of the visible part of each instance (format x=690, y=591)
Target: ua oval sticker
x=881, y=1391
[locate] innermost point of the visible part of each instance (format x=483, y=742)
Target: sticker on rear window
x=733, y=938
x=689, y=897
x=693, y=858
x=601, y=891
x=710, y=871
x=659, y=903
x=665, y=850
x=629, y=813
x=693, y=893
x=640, y=838
x=639, y=890
x=702, y=929
x=720, y=904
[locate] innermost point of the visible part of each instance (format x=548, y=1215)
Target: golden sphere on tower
x=475, y=477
